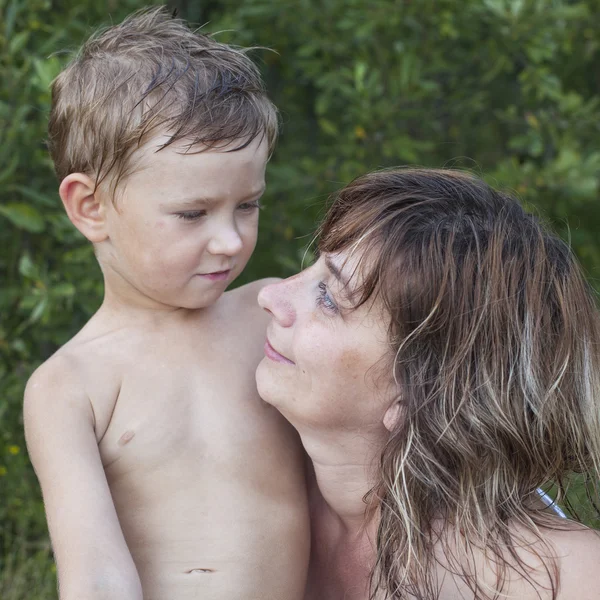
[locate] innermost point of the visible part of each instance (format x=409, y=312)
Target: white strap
x=550, y=503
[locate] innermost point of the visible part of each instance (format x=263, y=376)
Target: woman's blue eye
x=191, y=215
x=324, y=300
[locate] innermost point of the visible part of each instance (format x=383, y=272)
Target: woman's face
x=327, y=365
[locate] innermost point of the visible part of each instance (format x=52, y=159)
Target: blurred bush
x=49, y=283
x=508, y=88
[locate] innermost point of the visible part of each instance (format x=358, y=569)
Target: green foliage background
x=509, y=88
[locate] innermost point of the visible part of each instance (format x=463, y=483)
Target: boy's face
x=183, y=226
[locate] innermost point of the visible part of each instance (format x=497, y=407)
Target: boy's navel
x=201, y=571
x=126, y=437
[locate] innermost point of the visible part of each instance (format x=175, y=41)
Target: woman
x=440, y=361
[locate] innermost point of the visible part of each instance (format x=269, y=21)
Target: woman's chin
x=275, y=389
x=265, y=382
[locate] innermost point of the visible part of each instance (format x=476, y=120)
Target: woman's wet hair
x=496, y=339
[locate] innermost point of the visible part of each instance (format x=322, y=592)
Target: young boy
x=164, y=475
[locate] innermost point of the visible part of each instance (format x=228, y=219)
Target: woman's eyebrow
x=336, y=272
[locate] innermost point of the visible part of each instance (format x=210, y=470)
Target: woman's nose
x=225, y=240
x=276, y=300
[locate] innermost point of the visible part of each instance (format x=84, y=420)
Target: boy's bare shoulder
x=54, y=398
x=59, y=372
x=245, y=298
x=249, y=291
x=80, y=375
x=244, y=321
x=69, y=365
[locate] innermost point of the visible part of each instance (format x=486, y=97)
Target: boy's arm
x=92, y=556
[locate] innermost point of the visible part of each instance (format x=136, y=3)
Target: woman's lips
x=272, y=354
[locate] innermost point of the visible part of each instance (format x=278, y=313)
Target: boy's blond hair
x=152, y=74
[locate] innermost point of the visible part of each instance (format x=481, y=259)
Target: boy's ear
x=84, y=207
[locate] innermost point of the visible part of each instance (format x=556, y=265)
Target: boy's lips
x=216, y=275
x=272, y=354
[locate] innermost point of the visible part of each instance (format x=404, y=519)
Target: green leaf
x=64, y=290
x=329, y=127
x=35, y=195
x=9, y=170
x=360, y=70
x=27, y=268
x=46, y=71
x=39, y=310
x=18, y=42
x=10, y=17
x=23, y=216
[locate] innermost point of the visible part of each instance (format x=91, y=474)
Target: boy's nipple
x=126, y=437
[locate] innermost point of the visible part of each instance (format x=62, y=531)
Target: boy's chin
x=197, y=301
x=206, y=297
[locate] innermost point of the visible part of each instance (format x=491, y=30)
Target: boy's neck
x=132, y=309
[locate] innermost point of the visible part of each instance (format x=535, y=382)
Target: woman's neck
x=344, y=471
x=343, y=528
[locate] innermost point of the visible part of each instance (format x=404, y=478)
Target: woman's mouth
x=273, y=355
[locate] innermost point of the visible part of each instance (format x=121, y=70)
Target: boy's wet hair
x=152, y=75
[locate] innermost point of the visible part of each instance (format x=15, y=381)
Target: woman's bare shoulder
x=566, y=549
x=578, y=554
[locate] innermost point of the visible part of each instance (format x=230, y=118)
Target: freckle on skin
x=126, y=437
x=349, y=360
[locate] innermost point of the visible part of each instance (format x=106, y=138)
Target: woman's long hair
x=496, y=338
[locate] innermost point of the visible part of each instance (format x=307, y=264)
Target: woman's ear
x=84, y=207
x=392, y=416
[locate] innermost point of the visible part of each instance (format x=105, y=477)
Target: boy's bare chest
x=200, y=469
x=176, y=403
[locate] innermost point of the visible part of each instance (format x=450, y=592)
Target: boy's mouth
x=216, y=275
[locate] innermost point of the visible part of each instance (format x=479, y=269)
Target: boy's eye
x=191, y=215
x=249, y=206
x=324, y=299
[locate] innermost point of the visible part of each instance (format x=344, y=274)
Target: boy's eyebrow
x=207, y=201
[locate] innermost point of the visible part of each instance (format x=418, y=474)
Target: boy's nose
x=226, y=240
x=276, y=300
